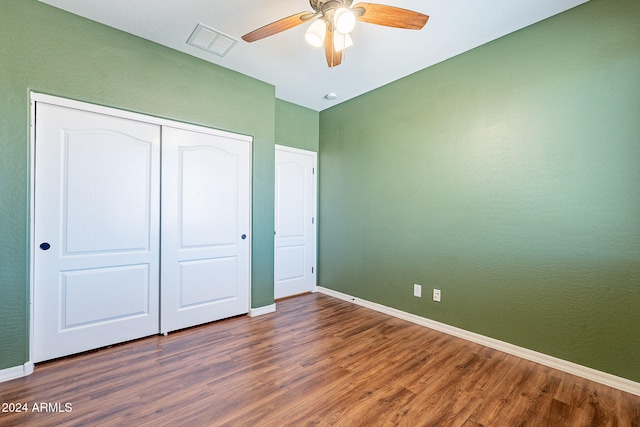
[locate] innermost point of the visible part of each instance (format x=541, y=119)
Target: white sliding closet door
x=126, y=244
x=206, y=223
x=96, y=230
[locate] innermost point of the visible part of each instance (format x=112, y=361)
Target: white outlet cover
x=417, y=291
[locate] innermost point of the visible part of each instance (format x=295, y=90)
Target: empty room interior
x=431, y=218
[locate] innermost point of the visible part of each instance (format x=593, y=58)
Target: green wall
x=509, y=178
x=50, y=51
x=297, y=126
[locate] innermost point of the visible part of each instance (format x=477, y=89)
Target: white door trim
x=110, y=111
x=36, y=97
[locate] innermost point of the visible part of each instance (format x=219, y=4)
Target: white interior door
x=96, y=230
x=206, y=222
x=295, y=222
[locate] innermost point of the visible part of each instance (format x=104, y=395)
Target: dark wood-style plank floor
x=316, y=361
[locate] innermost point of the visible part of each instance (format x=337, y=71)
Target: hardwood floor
x=317, y=361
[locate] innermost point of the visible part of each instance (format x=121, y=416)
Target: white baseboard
x=16, y=372
x=534, y=356
x=259, y=311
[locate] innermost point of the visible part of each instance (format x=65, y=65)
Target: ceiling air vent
x=211, y=40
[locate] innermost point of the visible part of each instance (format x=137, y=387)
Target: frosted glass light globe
x=315, y=33
x=344, y=20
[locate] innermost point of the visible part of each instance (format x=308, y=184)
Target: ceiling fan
x=333, y=20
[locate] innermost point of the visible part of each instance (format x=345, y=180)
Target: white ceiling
x=298, y=71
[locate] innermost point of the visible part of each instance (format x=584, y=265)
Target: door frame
x=37, y=97
x=314, y=155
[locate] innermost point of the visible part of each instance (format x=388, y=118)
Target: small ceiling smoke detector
x=211, y=40
x=331, y=96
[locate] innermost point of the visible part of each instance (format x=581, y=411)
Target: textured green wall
x=47, y=50
x=297, y=126
x=509, y=178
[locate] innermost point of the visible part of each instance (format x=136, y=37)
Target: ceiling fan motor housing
x=325, y=5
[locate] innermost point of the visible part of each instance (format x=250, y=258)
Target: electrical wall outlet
x=436, y=295
x=417, y=291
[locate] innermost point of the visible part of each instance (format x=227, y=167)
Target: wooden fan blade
x=390, y=16
x=278, y=26
x=333, y=58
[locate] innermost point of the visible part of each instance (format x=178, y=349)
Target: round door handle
x=244, y=236
x=45, y=246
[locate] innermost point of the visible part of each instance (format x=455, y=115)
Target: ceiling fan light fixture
x=336, y=17
x=344, y=20
x=315, y=33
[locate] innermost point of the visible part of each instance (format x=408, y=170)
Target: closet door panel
x=205, y=227
x=96, y=230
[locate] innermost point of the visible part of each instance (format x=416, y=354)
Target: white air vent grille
x=211, y=40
